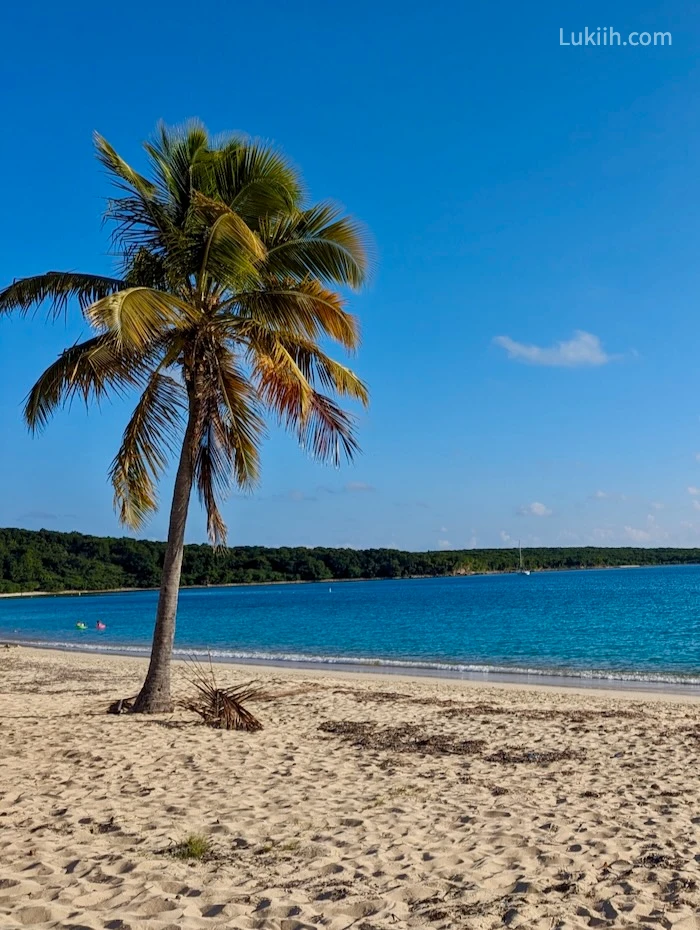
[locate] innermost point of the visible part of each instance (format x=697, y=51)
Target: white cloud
x=444, y=544
x=358, y=486
x=696, y=504
x=603, y=532
x=601, y=495
x=637, y=535
x=443, y=529
x=697, y=456
x=584, y=350
x=535, y=509
x=657, y=505
x=693, y=491
x=506, y=537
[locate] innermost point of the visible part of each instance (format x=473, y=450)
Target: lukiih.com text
x=606, y=35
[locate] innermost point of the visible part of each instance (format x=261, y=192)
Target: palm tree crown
x=223, y=292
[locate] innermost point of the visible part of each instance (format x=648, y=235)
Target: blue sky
x=531, y=333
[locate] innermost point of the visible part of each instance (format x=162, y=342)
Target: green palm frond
x=58, y=288
x=328, y=431
x=319, y=242
x=319, y=368
x=176, y=155
x=87, y=369
x=231, y=431
x=147, y=443
x=137, y=316
x=122, y=173
x=253, y=179
x=240, y=414
x=231, y=250
x=140, y=217
x=305, y=308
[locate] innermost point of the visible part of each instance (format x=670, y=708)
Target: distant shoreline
x=331, y=581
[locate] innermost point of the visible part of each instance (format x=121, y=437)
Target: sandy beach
x=366, y=802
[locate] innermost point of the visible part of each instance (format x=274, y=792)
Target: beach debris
x=406, y=737
x=658, y=860
x=122, y=706
x=221, y=708
x=572, y=715
x=519, y=755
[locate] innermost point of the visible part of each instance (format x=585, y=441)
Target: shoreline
x=264, y=584
x=386, y=673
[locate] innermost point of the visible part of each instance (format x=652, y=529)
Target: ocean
x=610, y=626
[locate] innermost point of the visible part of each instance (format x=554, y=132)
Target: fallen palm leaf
x=222, y=708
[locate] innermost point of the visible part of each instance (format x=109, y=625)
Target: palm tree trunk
x=154, y=697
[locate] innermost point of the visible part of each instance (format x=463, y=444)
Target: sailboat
x=521, y=570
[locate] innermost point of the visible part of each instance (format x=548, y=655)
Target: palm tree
x=225, y=289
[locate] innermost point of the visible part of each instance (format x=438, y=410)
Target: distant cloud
x=506, y=537
x=603, y=532
x=637, y=535
x=696, y=504
x=583, y=351
x=535, y=509
x=693, y=491
x=697, y=456
x=444, y=544
x=608, y=496
x=657, y=505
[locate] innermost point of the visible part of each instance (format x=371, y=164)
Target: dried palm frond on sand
x=222, y=708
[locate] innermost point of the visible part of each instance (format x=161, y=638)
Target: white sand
x=309, y=830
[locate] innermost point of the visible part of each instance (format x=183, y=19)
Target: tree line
x=45, y=560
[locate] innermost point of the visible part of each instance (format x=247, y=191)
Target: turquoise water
x=632, y=624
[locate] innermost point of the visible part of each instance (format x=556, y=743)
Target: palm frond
x=137, y=316
x=328, y=431
x=222, y=708
x=305, y=308
x=176, y=154
x=123, y=174
x=319, y=242
x=253, y=179
x=141, y=218
x=283, y=372
x=57, y=287
x=231, y=431
x=319, y=368
x=231, y=249
x=148, y=441
x=87, y=369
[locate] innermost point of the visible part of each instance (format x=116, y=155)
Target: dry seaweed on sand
x=405, y=737
x=519, y=755
x=570, y=715
x=222, y=708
